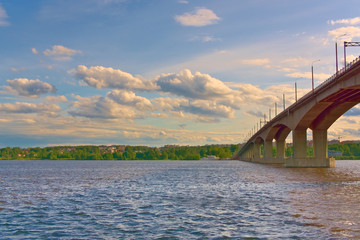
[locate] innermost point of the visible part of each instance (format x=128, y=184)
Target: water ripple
x=176, y=200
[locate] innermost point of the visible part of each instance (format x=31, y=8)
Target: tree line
x=118, y=152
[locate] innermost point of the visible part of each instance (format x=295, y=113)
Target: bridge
x=317, y=110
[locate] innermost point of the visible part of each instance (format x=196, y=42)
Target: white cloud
x=317, y=76
x=29, y=108
x=198, y=110
x=3, y=17
x=168, y=104
x=102, y=77
x=205, y=98
x=296, y=62
x=201, y=17
x=130, y=99
x=256, y=62
x=196, y=86
x=210, y=109
x=116, y=105
x=350, y=32
x=347, y=21
x=29, y=88
x=58, y=52
x=34, y=51
x=56, y=99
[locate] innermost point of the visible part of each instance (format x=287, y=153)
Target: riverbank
x=118, y=152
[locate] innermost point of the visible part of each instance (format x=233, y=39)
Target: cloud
x=347, y=21
x=169, y=104
x=34, y=51
x=206, y=38
x=256, y=62
x=13, y=69
x=201, y=17
x=185, y=83
x=29, y=108
x=205, y=97
x=118, y=104
x=257, y=114
x=199, y=110
x=102, y=77
x=56, y=99
x=58, y=52
x=210, y=109
x=296, y=62
x=29, y=88
x=317, y=76
x=350, y=32
x=130, y=99
x=3, y=17
x=196, y=86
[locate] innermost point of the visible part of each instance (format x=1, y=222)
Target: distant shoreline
x=119, y=152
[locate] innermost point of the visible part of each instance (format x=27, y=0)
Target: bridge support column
x=280, y=148
x=320, y=158
x=299, y=149
x=257, y=156
x=268, y=152
x=299, y=143
x=320, y=144
x=248, y=155
x=280, y=152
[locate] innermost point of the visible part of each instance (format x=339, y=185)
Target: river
x=177, y=200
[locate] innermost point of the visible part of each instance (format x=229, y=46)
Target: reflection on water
x=177, y=200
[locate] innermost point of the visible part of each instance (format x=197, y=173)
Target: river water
x=177, y=200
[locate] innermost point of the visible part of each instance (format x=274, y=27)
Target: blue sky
x=156, y=72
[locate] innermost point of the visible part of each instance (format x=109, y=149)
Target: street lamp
x=336, y=51
x=296, y=88
x=312, y=73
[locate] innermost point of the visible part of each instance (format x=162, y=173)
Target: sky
x=158, y=72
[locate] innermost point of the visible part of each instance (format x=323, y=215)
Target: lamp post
x=336, y=51
x=296, y=88
x=284, y=101
x=312, y=73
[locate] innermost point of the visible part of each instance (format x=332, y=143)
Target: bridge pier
x=299, y=143
x=247, y=155
x=310, y=163
x=320, y=143
x=320, y=158
x=257, y=153
x=280, y=148
x=268, y=154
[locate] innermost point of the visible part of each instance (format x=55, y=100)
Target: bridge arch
x=279, y=132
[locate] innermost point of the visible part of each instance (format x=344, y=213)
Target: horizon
x=180, y=72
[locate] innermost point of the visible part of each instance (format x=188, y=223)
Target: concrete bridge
x=317, y=110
